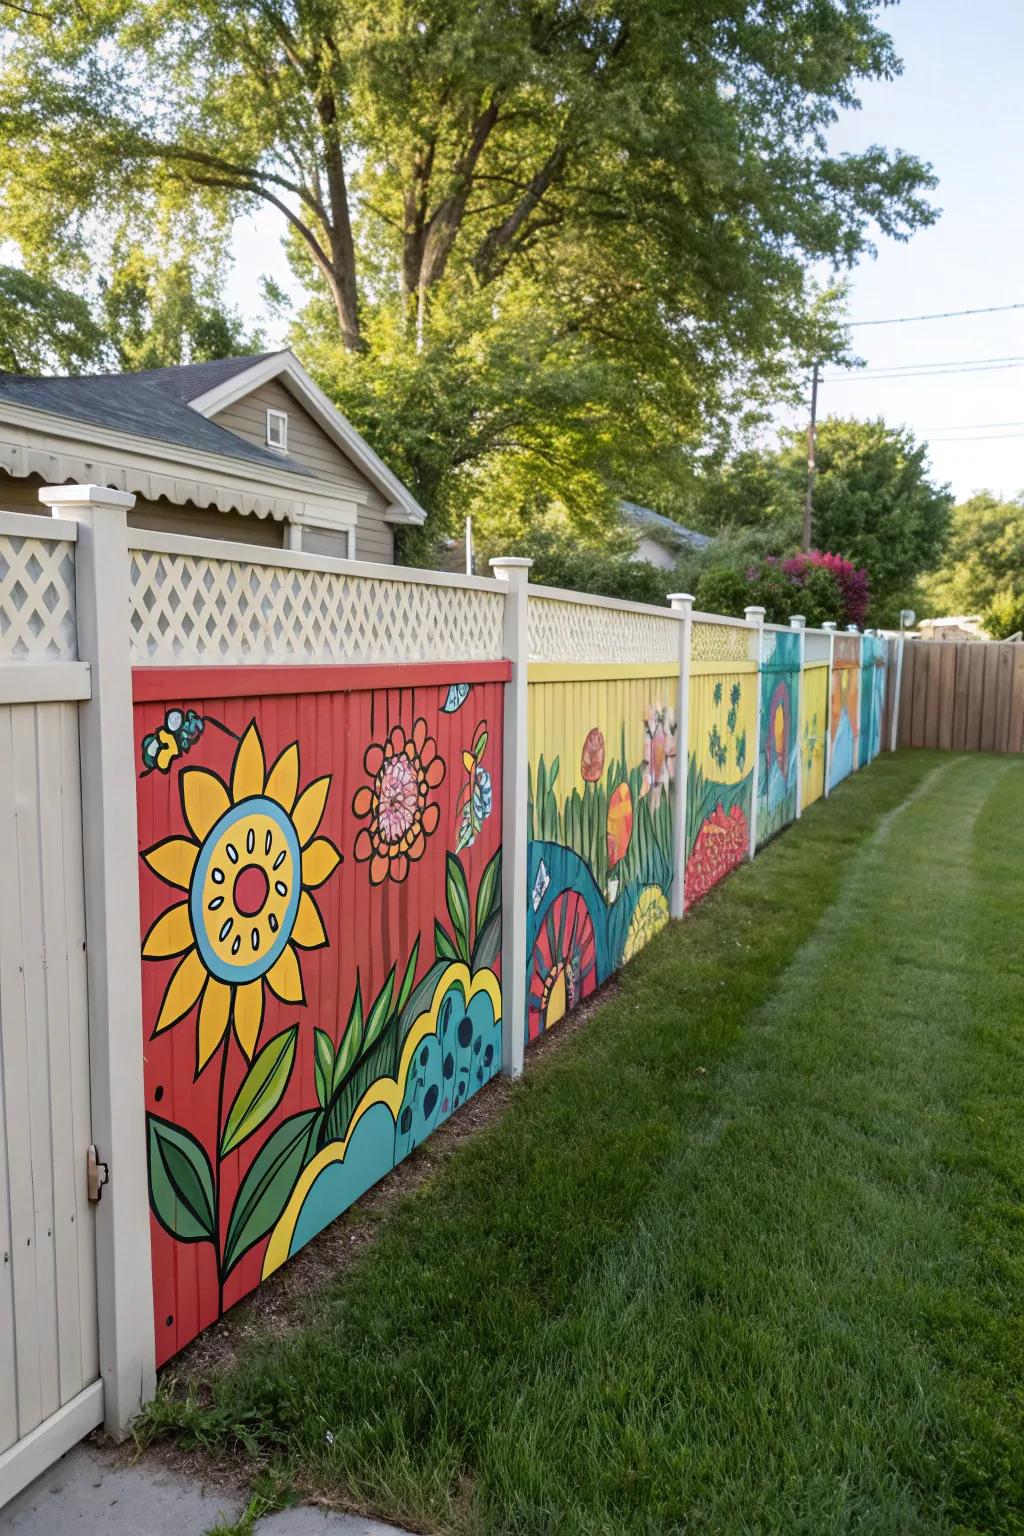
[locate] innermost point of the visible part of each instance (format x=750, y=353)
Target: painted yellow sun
x=247, y=870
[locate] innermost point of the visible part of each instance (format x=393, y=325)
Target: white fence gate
x=50, y=1391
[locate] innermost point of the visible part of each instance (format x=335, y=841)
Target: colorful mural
x=599, y=830
x=778, y=733
x=813, y=732
x=321, y=890
x=872, y=697
x=844, y=715
x=723, y=733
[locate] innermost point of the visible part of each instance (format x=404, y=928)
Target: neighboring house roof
x=143, y=404
x=145, y=410
x=659, y=527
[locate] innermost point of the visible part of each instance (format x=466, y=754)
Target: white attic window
x=277, y=430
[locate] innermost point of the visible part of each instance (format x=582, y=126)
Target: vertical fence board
x=29, y=813
x=14, y=1040
x=961, y=691
x=947, y=692
x=1015, y=742
x=975, y=689
x=920, y=696
x=987, y=741
x=1004, y=680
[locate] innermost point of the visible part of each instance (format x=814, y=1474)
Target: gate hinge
x=96, y=1174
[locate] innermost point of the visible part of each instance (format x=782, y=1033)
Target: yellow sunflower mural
x=247, y=870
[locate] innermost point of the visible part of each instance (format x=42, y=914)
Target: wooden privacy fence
x=303, y=852
x=964, y=695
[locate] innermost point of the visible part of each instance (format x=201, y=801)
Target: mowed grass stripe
x=700, y=1277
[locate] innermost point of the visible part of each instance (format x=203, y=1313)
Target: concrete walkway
x=91, y=1493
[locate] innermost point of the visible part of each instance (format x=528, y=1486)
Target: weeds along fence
x=302, y=853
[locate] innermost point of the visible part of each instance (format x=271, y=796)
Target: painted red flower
x=401, y=815
x=722, y=843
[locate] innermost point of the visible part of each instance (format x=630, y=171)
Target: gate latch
x=96, y=1174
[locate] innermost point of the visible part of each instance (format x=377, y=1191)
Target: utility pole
x=811, y=464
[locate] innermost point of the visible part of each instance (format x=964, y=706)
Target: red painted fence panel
x=321, y=885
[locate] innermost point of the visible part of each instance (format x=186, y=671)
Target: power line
x=948, y=314
x=988, y=437
x=926, y=370
x=972, y=426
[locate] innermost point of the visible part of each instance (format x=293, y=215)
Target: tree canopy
x=983, y=569
x=551, y=249
x=874, y=503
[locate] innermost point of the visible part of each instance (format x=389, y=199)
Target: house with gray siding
x=246, y=448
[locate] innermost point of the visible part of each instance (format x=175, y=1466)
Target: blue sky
x=960, y=105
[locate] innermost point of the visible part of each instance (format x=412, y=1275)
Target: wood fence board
x=960, y=697
x=947, y=693
x=1016, y=732
x=1004, y=681
x=987, y=742
x=920, y=696
x=975, y=688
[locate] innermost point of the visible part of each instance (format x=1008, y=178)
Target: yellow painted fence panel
x=602, y=754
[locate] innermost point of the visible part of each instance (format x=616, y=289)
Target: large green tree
x=551, y=247
x=983, y=569
x=874, y=502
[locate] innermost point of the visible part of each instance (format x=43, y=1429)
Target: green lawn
x=747, y=1253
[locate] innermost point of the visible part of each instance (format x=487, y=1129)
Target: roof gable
x=217, y=394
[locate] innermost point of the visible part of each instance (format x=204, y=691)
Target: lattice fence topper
x=592, y=632
x=203, y=608
x=37, y=599
x=720, y=642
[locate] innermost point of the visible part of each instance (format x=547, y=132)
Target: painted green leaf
x=267, y=1187
x=488, y=942
x=381, y=1010
x=444, y=945
x=457, y=893
x=261, y=1089
x=488, y=894
x=180, y=1183
x=351, y=1040
x=408, y=980
x=323, y=1065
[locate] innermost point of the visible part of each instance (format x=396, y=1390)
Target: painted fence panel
x=321, y=938
x=48, y=1323
x=872, y=697
x=602, y=762
x=813, y=730
x=844, y=711
x=778, y=733
x=723, y=741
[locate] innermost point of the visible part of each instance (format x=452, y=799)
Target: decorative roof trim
x=402, y=508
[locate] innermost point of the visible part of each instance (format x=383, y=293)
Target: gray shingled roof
x=150, y=404
x=658, y=523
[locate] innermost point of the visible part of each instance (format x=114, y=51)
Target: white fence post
x=682, y=603
x=111, y=850
x=513, y=830
x=799, y=621
x=896, y=691
x=755, y=615
x=830, y=625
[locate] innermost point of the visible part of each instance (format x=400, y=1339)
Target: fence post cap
x=681, y=599
x=753, y=613
x=851, y=629
x=829, y=624
x=797, y=620
x=513, y=570
x=85, y=496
